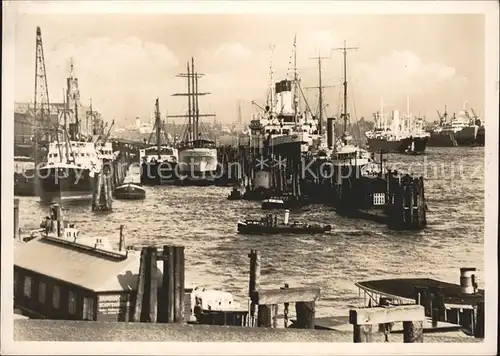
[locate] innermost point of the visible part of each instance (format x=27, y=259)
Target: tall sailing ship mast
x=197, y=155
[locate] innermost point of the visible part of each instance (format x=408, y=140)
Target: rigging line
x=354, y=109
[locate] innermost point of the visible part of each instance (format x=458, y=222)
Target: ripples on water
x=204, y=222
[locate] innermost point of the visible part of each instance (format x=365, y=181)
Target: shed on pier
x=60, y=280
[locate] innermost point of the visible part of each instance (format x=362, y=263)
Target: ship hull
x=405, y=145
x=464, y=137
x=258, y=229
x=480, y=136
x=198, y=166
x=65, y=184
x=153, y=173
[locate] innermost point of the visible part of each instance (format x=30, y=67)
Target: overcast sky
x=124, y=62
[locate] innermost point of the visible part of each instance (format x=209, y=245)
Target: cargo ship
x=159, y=161
x=401, y=135
x=459, y=130
x=197, y=154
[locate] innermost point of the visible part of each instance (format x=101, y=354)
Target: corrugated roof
x=87, y=269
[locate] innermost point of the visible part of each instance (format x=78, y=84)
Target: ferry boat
x=269, y=225
x=198, y=163
x=403, y=135
x=158, y=162
x=459, y=130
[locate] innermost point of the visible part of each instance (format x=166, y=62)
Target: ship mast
x=193, y=110
x=344, y=113
x=295, y=80
x=190, y=116
x=158, y=127
x=320, y=88
x=270, y=97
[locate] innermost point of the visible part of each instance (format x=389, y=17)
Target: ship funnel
x=287, y=216
x=468, y=280
x=284, y=101
x=330, y=127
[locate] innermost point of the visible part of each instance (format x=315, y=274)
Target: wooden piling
x=362, y=333
x=122, y=245
x=413, y=331
x=285, y=309
x=168, y=282
x=16, y=218
x=305, y=314
x=479, y=329
x=153, y=285
x=264, y=316
x=171, y=310
x=254, y=283
x=412, y=317
x=179, y=284
x=140, y=287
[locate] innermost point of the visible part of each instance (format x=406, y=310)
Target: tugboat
x=269, y=225
x=235, y=194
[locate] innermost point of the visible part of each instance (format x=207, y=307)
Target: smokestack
x=467, y=277
x=330, y=126
x=287, y=216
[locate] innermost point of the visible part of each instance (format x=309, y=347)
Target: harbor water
x=204, y=221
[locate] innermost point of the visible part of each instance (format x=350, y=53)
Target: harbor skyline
x=398, y=57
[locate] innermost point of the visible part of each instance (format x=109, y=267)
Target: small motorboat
x=130, y=191
x=269, y=225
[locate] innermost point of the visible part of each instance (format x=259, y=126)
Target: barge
x=269, y=225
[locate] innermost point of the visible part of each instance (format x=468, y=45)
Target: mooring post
x=413, y=331
x=285, y=309
x=305, y=314
x=383, y=327
x=16, y=218
x=264, y=316
x=254, y=283
x=153, y=285
x=140, y=286
x=122, y=245
x=179, y=284
x=168, y=282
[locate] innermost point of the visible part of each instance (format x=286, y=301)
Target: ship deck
x=405, y=288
